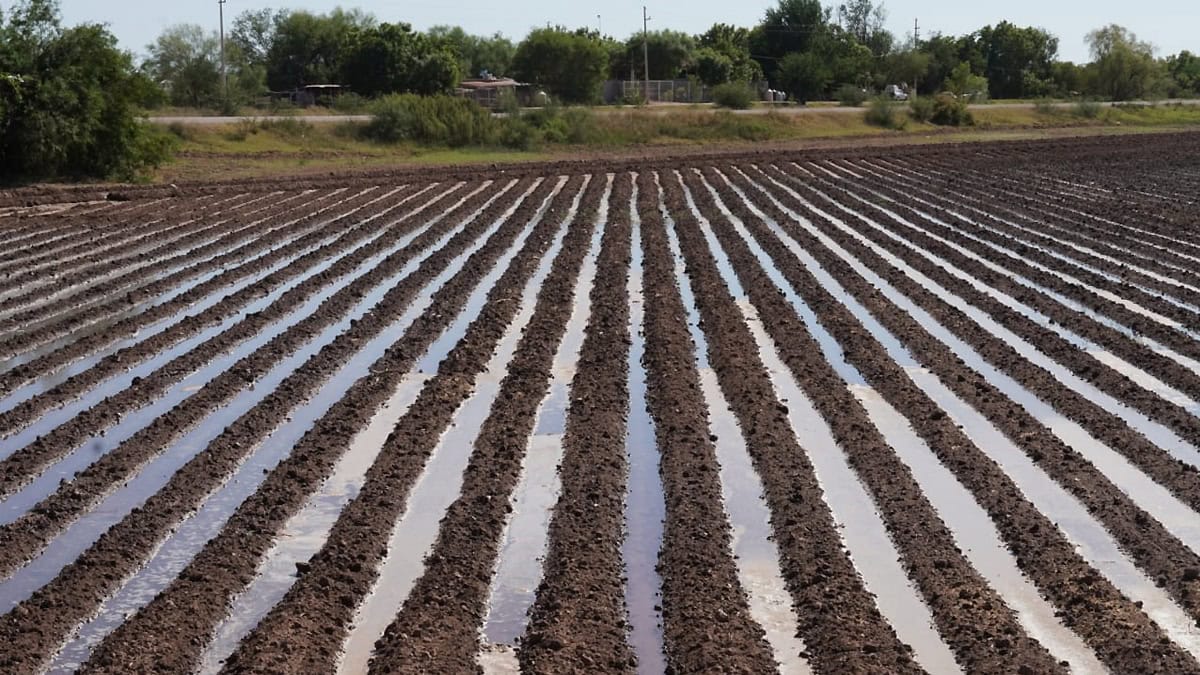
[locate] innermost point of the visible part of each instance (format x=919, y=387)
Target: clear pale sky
x=1171, y=25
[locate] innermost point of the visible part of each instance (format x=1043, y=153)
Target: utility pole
x=646, y=49
x=600, y=26
x=224, y=71
x=916, y=46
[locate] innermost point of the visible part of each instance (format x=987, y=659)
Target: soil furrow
x=577, y=622
x=90, y=313
x=307, y=247
x=199, y=597
x=68, y=279
x=1181, y=477
x=28, y=534
x=706, y=618
x=1050, y=560
x=438, y=624
x=129, y=281
x=124, y=546
x=106, y=248
x=1055, y=232
x=960, y=599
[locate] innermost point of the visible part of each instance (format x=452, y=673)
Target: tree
x=392, y=58
x=713, y=67
x=672, y=54
x=1018, y=61
x=1184, y=71
x=569, y=65
x=1123, y=67
x=306, y=48
x=963, y=83
x=790, y=27
x=865, y=22
x=68, y=97
x=186, y=62
x=732, y=43
x=804, y=75
x=253, y=32
x=908, y=66
x=477, y=54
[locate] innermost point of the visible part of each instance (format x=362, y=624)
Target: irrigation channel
x=820, y=412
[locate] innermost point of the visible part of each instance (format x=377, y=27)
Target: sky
x=1168, y=24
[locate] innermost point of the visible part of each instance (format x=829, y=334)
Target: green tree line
x=70, y=97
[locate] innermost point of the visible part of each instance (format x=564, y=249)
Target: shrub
x=949, y=111
x=1088, y=109
x=851, y=96
x=1044, y=106
x=69, y=102
x=882, y=113
x=733, y=95
x=431, y=120
x=350, y=104
x=287, y=127
x=921, y=109
x=517, y=133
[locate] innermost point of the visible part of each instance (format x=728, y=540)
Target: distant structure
x=490, y=91
x=311, y=94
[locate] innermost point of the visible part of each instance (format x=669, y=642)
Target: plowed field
x=923, y=410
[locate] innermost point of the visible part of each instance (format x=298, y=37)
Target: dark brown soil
x=1026, y=206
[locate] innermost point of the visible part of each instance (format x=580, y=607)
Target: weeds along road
x=831, y=411
x=205, y=120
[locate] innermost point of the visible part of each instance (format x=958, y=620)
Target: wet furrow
x=128, y=287
x=1111, y=406
x=1149, y=226
x=93, y=242
x=960, y=600
x=1052, y=562
x=200, y=527
x=155, y=383
x=706, y=618
x=342, y=573
x=306, y=531
x=524, y=541
x=271, y=341
x=68, y=283
x=155, y=336
x=198, y=598
x=756, y=556
x=577, y=621
x=1079, y=242
x=851, y=633
x=123, y=546
x=439, y=619
x=101, y=250
x=1160, y=246
x=1091, y=343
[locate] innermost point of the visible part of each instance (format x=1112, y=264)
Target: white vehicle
x=895, y=92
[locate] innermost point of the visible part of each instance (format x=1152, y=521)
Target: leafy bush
x=851, y=96
x=287, y=127
x=921, y=109
x=882, y=113
x=949, y=111
x=1088, y=109
x=569, y=65
x=350, y=104
x=431, y=120
x=733, y=95
x=517, y=133
x=69, y=101
x=1044, y=106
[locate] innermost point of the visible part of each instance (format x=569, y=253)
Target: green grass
x=259, y=148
